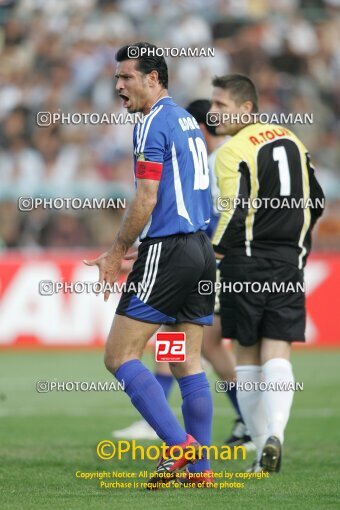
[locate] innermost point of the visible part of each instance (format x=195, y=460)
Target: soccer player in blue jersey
x=169, y=213
x=221, y=359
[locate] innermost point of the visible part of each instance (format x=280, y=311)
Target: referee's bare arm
x=135, y=219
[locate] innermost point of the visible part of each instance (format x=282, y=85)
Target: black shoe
x=271, y=455
x=239, y=437
x=237, y=433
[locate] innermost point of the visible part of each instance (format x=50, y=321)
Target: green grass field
x=45, y=438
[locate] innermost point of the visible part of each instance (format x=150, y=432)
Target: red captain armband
x=149, y=170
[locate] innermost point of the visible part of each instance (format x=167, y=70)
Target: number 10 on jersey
x=200, y=159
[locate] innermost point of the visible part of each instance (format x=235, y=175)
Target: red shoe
x=168, y=466
x=200, y=480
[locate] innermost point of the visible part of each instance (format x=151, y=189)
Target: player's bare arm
x=136, y=217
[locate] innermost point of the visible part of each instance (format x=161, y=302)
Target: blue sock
x=147, y=396
x=197, y=411
x=166, y=382
x=232, y=397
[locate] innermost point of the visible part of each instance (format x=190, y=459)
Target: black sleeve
x=316, y=194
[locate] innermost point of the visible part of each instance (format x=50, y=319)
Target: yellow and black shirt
x=266, y=171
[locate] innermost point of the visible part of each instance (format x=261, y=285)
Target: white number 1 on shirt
x=280, y=155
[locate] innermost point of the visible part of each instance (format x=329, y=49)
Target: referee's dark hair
x=241, y=88
x=149, y=58
x=199, y=110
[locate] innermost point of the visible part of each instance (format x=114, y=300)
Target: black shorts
x=261, y=298
x=165, y=281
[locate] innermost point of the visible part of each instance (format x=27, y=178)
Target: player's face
x=132, y=86
x=223, y=103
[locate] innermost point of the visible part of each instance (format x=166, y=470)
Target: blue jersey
x=169, y=147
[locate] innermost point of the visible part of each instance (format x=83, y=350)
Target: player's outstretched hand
x=109, y=267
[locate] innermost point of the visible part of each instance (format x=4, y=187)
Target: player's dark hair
x=241, y=88
x=147, y=62
x=199, y=110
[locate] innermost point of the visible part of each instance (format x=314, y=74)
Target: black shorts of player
x=163, y=286
x=273, y=307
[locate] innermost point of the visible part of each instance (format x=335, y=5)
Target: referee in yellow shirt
x=270, y=200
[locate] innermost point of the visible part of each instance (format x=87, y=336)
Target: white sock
x=251, y=406
x=277, y=404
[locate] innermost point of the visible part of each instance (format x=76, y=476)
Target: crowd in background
x=58, y=56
